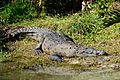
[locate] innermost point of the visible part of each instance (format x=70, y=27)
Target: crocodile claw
x=38, y=51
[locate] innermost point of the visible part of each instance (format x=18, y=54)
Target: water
x=17, y=74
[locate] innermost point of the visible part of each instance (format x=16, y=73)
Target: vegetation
x=97, y=27
x=16, y=12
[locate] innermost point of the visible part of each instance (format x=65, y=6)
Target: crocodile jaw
x=89, y=52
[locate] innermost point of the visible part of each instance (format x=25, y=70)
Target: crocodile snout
x=101, y=53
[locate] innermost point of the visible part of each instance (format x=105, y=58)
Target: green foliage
x=103, y=9
x=88, y=23
x=102, y=5
x=16, y=12
x=113, y=15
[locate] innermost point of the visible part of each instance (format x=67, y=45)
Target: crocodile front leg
x=56, y=56
x=38, y=50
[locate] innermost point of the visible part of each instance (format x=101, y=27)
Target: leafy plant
x=88, y=23
x=113, y=15
x=16, y=12
x=103, y=8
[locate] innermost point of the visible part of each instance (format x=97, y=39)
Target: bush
x=109, y=10
x=88, y=23
x=16, y=12
x=113, y=15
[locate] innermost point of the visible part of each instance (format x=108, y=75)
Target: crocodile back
x=28, y=30
x=36, y=33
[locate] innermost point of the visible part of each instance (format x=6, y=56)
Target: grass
x=107, y=39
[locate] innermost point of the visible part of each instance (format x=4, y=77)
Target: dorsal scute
x=25, y=29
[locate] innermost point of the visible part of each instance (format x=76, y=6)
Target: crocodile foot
x=56, y=57
x=38, y=51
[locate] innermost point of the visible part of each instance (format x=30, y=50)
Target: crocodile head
x=90, y=52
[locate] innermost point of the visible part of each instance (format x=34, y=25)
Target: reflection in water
x=21, y=75
x=8, y=72
x=96, y=75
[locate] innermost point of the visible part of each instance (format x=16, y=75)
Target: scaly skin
x=57, y=45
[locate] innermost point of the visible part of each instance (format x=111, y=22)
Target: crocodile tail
x=23, y=30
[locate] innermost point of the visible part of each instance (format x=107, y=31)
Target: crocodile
x=55, y=44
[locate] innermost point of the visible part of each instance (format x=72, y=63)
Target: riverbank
x=21, y=56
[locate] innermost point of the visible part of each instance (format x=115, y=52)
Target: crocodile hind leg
x=56, y=56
